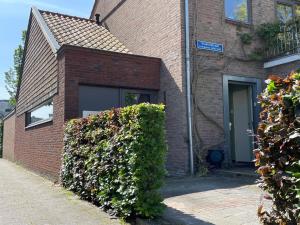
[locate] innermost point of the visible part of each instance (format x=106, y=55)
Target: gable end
x=39, y=69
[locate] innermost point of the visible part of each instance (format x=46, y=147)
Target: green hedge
x=116, y=159
x=278, y=153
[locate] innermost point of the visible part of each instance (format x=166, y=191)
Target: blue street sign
x=209, y=46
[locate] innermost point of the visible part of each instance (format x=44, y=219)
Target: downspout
x=188, y=84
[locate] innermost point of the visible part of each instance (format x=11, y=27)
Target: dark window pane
x=237, y=10
x=284, y=12
x=144, y=98
x=42, y=113
x=136, y=98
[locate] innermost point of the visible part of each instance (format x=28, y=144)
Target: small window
x=287, y=10
x=284, y=12
x=237, y=10
x=42, y=114
x=7, y=110
x=136, y=98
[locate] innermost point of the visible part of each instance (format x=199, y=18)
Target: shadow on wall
x=176, y=122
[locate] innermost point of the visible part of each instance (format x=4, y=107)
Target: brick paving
x=28, y=199
x=213, y=200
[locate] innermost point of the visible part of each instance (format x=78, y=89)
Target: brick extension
x=39, y=148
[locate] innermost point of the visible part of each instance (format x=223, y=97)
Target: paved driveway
x=27, y=199
x=213, y=200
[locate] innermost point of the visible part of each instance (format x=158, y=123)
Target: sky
x=14, y=15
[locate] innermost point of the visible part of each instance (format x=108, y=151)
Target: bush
x=116, y=159
x=278, y=153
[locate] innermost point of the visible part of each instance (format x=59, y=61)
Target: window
x=137, y=98
x=41, y=114
x=237, y=10
x=286, y=11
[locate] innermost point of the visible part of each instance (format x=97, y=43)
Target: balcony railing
x=286, y=42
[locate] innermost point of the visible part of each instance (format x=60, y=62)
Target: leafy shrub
x=268, y=32
x=116, y=159
x=278, y=153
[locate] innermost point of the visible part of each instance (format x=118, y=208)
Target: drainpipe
x=188, y=84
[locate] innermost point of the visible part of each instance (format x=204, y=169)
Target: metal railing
x=287, y=41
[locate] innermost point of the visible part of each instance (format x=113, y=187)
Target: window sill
x=38, y=123
x=238, y=23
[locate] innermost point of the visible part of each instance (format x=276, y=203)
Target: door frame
x=256, y=85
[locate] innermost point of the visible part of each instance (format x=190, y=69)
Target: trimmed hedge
x=278, y=153
x=116, y=159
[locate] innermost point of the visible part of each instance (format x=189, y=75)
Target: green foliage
x=116, y=159
x=12, y=76
x=1, y=137
x=278, y=152
x=246, y=38
x=256, y=55
x=268, y=32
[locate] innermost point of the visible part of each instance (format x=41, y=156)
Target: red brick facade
x=101, y=68
x=39, y=148
x=284, y=69
x=155, y=28
x=9, y=138
x=207, y=23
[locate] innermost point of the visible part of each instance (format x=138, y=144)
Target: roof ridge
x=66, y=15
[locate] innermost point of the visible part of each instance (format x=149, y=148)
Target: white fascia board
x=45, y=29
x=282, y=60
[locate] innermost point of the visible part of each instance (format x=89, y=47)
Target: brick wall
x=284, y=70
x=155, y=28
x=40, y=148
x=102, y=68
x=9, y=138
x=208, y=23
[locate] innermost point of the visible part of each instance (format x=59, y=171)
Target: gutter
x=188, y=83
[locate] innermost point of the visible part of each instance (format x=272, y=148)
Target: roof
x=81, y=32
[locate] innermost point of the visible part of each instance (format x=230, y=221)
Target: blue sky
x=14, y=16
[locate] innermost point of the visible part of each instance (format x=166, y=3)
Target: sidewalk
x=212, y=200
x=28, y=199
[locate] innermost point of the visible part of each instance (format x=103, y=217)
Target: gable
x=40, y=70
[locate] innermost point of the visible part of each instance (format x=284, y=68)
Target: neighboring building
x=225, y=79
x=5, y=108
x=74, y=67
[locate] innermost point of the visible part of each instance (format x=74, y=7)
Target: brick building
x=72, y=67
x=225, y=80
x=195, y=62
